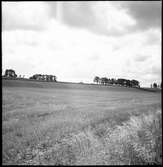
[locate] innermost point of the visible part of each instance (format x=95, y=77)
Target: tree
x=54, y=78
x=154, y=85
x=112, y=81
x=10, y=73
x=135, y=83
x=96, y=79
x=104, y=80
x=128, y=83
x=121, y=81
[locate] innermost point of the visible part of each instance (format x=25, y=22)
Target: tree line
x=119, y=81
x=155, y=85
x=44, y=77
x=10, y=73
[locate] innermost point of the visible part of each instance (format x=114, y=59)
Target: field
x=79, y=124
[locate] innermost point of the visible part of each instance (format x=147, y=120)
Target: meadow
x=47, y=123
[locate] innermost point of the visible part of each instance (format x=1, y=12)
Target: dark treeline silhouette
x=119, y=81
x=9, y=73
x=155, y=85
x=44, y=77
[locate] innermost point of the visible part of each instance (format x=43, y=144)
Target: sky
x=78, y=40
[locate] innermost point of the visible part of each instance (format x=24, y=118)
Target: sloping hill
x=64, y=85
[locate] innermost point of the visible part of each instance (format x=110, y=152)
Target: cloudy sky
x=78, y=40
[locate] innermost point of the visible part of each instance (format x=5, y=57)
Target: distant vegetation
x=44, y=77
x=119, y=81
x=155, y=85
x=9, y=73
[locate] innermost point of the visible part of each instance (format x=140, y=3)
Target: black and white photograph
x=81, y=82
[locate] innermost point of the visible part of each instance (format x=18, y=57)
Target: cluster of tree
x=21, y=76
x=119, y=81
x=9, y=73
x=155, y=85
x=44, y=77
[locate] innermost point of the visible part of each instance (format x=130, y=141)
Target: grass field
x=76, y=124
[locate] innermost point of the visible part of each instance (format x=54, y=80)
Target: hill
x=67, y=85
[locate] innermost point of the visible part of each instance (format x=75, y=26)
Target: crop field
x=79, y=124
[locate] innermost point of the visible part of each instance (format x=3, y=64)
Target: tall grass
x=137, y=141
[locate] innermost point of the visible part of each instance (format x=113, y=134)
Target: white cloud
x=24, y=15
x=74, y=54
x=111, y=18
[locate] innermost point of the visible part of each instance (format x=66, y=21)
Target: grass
x=59, y=124
x=137, y=141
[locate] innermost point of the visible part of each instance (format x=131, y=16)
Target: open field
x=59, y=123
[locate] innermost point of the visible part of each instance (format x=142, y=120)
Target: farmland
x=66, y=123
